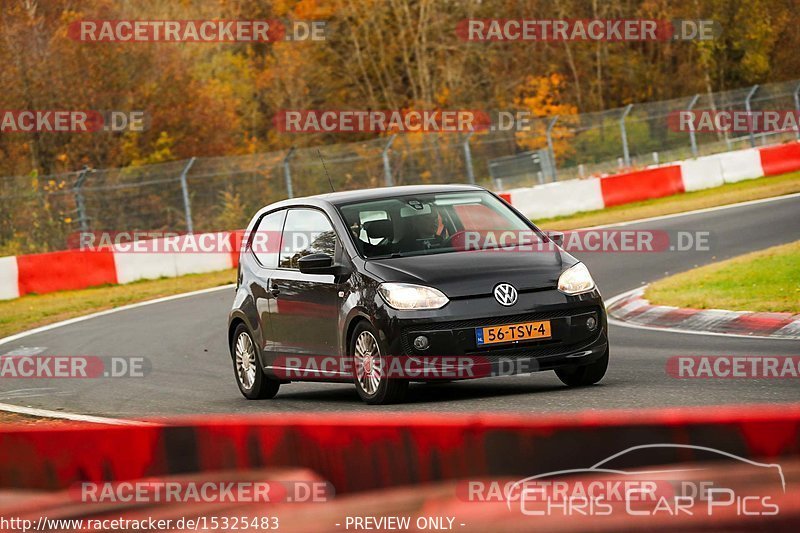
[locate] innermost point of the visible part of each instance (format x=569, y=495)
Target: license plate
x=512, y=332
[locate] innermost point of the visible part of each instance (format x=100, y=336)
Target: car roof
x=338, y=198
x=343, y=197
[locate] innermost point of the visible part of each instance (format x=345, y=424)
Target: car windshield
x=434, y=223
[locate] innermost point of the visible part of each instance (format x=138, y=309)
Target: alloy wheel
x=368, y=363
x=245, y=361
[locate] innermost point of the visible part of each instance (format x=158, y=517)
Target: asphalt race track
x=185, y=342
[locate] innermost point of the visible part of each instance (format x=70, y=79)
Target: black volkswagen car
x=386, y=286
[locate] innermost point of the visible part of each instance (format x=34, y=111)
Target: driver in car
x=424, y=233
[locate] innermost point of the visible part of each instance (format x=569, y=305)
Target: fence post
x=797, y=105
x=626, y=155
x=387, y=168
x=468, y=159
x=83, y=221
x=692, y=136
x=747, y=108
x=287, y=173
x=187, y=206
x=550, y=151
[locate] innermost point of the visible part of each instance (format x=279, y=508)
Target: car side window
x=265, y=241
x=307, y=231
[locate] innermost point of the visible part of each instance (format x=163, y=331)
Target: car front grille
x=541, y=348
x=497, y=320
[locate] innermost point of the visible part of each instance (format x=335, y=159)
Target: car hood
x=473, y=273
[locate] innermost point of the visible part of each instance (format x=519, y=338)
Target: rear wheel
x=582, y=376
x=371, y=368
x=253, y=383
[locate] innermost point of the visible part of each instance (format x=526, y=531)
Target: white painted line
x=109, y=312
x=614, y=299
x=695, y=212
x=631, y=325
x=654, y=314
x=30, y=411
x=27, y=393
x=630, y=307
x=25, y=351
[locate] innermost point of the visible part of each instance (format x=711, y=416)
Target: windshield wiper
x=393, y=255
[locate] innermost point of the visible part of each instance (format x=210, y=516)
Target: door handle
x=274, y=290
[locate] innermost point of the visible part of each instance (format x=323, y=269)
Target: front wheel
x=582, y=376
x=253, y=383
x=371, y=369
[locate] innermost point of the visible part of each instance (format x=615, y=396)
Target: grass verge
x=14, y=418
x=729, y=193
x=767, y=280
x=35, y=310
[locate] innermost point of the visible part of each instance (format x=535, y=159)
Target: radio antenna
x=326, y=170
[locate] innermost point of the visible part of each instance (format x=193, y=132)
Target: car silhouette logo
x=505, y=294
x=604, y=467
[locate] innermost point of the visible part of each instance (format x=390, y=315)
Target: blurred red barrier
x=400, y=449
x=641, y=185
x=237, y=236
x=67, y=270
x=780, y=159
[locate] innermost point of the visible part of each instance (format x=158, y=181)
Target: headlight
x=407, y=296
x=575, y=280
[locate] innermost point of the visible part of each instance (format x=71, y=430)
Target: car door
x=305, y=311
x=259, y=264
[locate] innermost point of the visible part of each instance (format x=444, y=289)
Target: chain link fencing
x=44, y=213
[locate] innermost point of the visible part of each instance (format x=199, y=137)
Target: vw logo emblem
x=505, y=294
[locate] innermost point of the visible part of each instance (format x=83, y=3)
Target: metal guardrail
x=531, y=165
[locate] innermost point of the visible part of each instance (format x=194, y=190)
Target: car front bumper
x=453, y=351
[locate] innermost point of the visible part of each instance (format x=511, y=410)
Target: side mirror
x=556, y=236
x=316, y=264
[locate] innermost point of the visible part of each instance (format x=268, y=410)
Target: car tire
x=250, y=377
x=585, y=375
x=373, y=389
